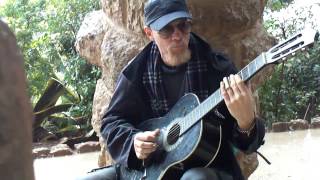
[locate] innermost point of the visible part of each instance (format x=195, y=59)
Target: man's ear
x=148, y=32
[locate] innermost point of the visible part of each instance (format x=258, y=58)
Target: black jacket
x=129, y=107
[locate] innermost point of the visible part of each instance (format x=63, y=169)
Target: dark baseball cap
x=159, y=13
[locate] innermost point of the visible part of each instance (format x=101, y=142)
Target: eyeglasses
x=184, y=26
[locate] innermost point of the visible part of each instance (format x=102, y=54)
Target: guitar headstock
x=282, y=50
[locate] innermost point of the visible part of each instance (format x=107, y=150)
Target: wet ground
x=294, y=156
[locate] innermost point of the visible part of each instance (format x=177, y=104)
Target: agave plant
x=48, y=111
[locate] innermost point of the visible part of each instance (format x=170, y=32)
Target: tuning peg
x=283, y=59
x=303, y=49
x=294, y=53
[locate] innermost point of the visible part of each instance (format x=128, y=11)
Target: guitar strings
x=174, y=133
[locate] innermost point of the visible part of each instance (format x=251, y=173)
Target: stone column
x=15, y=112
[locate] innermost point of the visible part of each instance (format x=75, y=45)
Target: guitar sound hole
x=173, y=134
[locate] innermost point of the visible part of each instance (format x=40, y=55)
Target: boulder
x=60, y=150
x=315, y=123
x=280, y=127
x=89, y=146
x=298, y=124
x=41, y=152
x=89, y=37
x=247, y=162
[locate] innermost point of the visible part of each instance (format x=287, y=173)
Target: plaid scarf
x=195, y=76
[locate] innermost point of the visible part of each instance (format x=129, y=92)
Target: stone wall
x=296, y=124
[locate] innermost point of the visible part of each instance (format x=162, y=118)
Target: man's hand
x=239, y=100
x=144, y=143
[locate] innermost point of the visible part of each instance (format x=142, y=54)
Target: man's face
x=172, y=41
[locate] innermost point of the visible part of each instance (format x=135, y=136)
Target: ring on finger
x=226, y=83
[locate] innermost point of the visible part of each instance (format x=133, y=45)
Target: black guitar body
x=196, y=147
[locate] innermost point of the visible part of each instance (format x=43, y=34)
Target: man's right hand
x=145, y=143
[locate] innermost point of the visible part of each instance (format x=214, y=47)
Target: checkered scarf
x=195, y=76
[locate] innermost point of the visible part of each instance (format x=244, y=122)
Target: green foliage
x=293, y=91
x=276, y=5
x=293, y=88
x=46, y=33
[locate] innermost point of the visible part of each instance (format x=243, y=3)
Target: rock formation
x=112, y=36
x=15, y=112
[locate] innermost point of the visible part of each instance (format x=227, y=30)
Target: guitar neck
x=213, y=100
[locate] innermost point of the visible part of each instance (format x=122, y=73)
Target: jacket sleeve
x=126, y=110
x=254, y=141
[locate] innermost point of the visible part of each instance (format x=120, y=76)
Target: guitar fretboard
x=213, y=100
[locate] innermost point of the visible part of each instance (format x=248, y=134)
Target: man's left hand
x=239, y=100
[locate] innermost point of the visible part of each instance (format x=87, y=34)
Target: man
x=174, y=63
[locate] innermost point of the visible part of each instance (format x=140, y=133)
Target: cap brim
x=166, y=19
